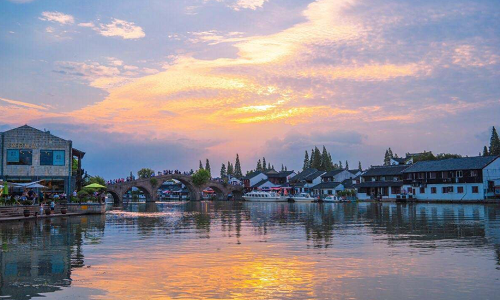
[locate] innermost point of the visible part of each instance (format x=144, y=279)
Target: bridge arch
x=193, y=192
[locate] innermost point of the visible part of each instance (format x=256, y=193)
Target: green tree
x=325, y=161
x=237, y=167
x=340, y=165
x=207, y=167
x=269, y=166
x=145, y=173
x=306, y=161
x=316, y=163
x=359, y=166
x=230, y=170
x=201, y=166
x=264, y=165
x=485, y=151
x=223, y=171
x=282, y=168
x=200, y=177
x=259, y=166
x=494, y=143
x=387, y=159
x=347, y=165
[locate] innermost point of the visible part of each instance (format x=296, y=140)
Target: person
x=41, y=208
x=74, y=193
x=52, y=205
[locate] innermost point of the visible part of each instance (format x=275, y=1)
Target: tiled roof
x=302, y=175
x=332, y=173
x=252, y=175
x=326, y=185
x=282, y=174
x=347, y=183
x=452, y=164
x=258, y=184
x=385, y=170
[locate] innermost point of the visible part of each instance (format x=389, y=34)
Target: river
x=237, y=250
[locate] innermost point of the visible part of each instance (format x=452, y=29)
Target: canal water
x=234, y=250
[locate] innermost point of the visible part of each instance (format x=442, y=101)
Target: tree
x=94, y=179
x=269, y=166
x=201, y=166
x=347, y=165
x=387, y=159
x=286, y=168
x=145, y=173
x=359, y=166
x=237, y=167
x=223, y=171
x=207, y=167
x=494, y=143
x=259, y=166
x=316, y=163
x=282, y=168
x=264, y=164
x=340, y=165
x=485, y=151
x=306, y=162
x=230, y=169
x=325, y=160
x=200, y=177
x=311, y=159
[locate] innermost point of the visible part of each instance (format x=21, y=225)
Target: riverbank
x=13, y=213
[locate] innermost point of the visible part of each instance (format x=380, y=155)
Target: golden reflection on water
x=235, y=273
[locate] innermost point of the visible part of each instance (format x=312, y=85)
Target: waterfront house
x=28, y=154
x=264, y=185
x=327, y=188
x=280, y=178
x=454, y=179
x=253, y=178
x=305, y=180
x=381, y=182
x=336, y=176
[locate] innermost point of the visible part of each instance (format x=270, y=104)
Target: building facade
x=382, y=182
x=28, y=154
x=454, y=179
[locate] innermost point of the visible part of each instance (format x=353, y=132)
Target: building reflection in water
x=39, y=256
x=257, y=251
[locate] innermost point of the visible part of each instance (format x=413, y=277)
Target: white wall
x=343, y=176
x=439, y=195
x=257, y=178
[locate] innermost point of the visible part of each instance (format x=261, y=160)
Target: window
x=422, y=190
x=433, y=190
x=447, y=189
x=19, y=157
x=473, y=173
x=475, y=189
x=432, y=175
x=52, y=158
x=460, y=189
x=445, y=174
x=460, y=174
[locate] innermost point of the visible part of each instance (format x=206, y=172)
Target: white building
x=455, y=179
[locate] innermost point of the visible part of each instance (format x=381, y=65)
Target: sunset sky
x=165, y=83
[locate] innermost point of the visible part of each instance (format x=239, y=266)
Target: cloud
x=57, y=17
x=21, y=1
x=248, y=4
x=23, y=104
x=121, y=28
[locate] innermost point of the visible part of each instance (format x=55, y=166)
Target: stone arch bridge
x=149, y=186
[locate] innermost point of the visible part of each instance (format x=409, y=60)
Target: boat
x=332, y=199
x=258, y=196
x=303, y=197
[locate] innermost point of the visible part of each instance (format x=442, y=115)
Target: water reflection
x=38, y=257
x=235, y=250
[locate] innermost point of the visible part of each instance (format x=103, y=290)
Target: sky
x=163, y=83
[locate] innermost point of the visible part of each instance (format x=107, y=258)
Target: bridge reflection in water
x=259, y=251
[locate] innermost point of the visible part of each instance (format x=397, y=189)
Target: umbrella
x=95, y=186
x=35, y=185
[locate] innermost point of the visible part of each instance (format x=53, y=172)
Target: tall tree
x=359, y=166
x=387, y=159
x=237, y=167
x=207, y=167
x=347, y=165
x=485, y=151
x=269, y=166
x=494, y=143
x=264, y=166
x=306, y=162
x=259, y=166
x=311, y=159
x=286, y=169
x=340, y=165
x=230, y=169
x=201, y=166
x=325, y=161
x=282, y=168
x=223, y=173
x=316, y=159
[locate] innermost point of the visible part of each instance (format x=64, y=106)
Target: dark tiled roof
x=385, y=170
x=347, y=183
x=302, y=175
x=451, y=164
x=252, y=175
x=298, y=184
x=354, y=172
x=332, y=173
x=258, y=184
x=314, y=175
x=282, y=174
x=326, y=185
x=369, y=184
x=400, y=160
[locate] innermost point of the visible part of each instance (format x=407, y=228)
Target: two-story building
x=381, y=182
x=454, y=179
x=251, y=179
x=305, y=180
x=280, y=178
x=28, y=154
